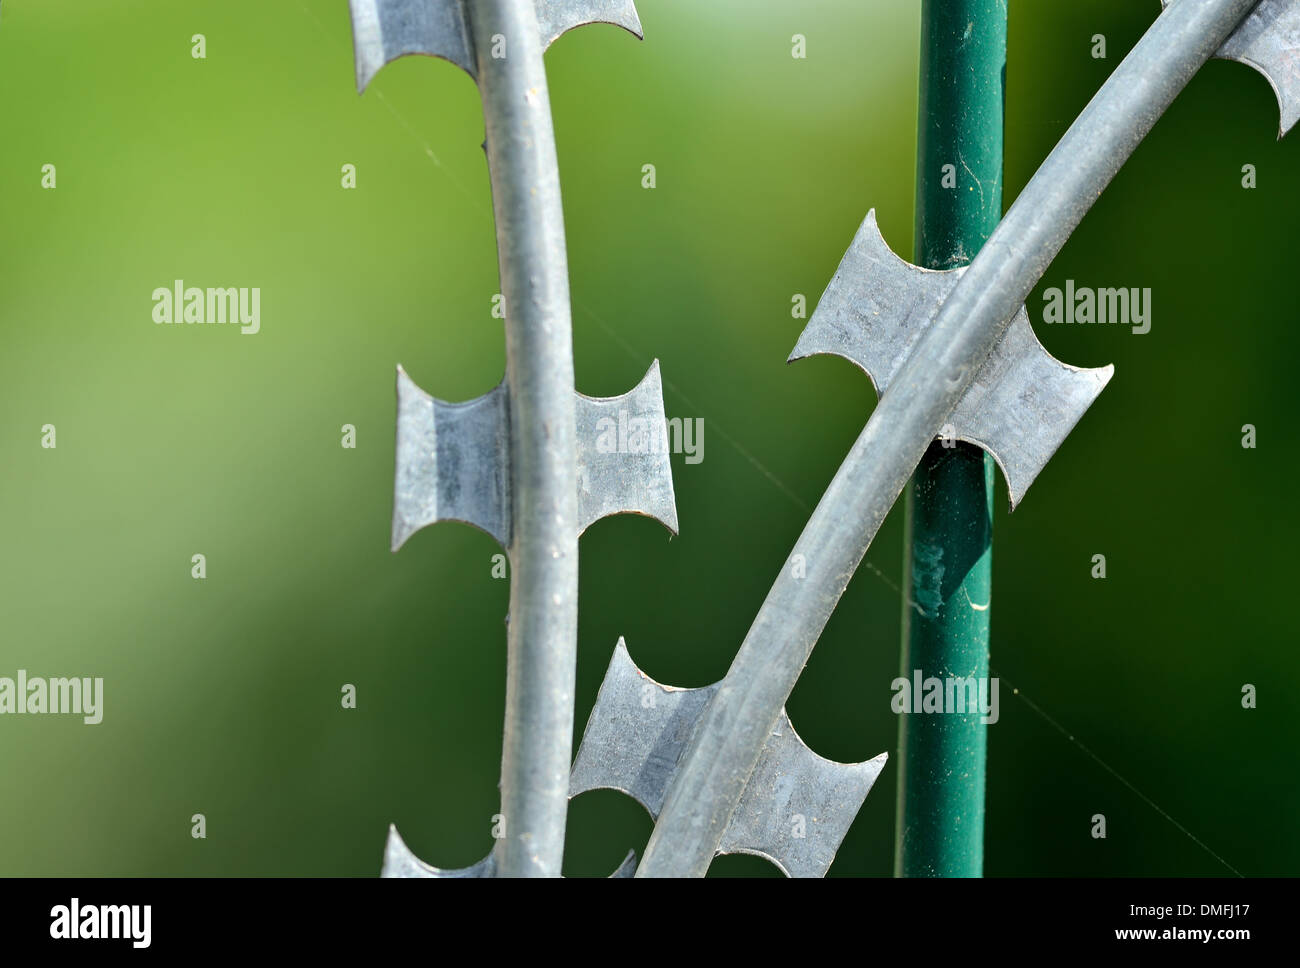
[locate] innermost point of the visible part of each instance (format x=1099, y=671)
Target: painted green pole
x=949, y=504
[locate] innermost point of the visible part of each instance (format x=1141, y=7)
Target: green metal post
x=949, y=504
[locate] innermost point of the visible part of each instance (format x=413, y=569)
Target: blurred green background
x=222, y=696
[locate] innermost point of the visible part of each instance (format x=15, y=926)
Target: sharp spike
x=1023, y=402
x=1269, y=41
x=399, y=861
x=556, y=17
x=795, y=809
x=452, y=462
x=384, y=30
x=623, y=465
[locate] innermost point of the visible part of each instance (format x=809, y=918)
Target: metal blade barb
x=1269, y=41
x=795, y=808
x=384, y=30
x=1023, y=402
x=453, y=459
